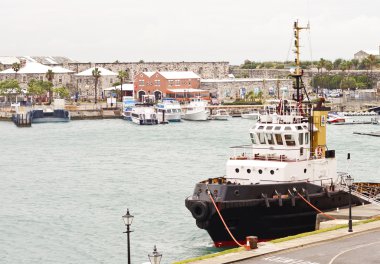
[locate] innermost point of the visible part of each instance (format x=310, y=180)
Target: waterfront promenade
x=314, y=249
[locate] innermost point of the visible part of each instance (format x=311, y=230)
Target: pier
x=22, y=119
x=373, y=134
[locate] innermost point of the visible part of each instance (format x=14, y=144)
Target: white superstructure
x=281, y=152
x=196, y=110
x=172, y=110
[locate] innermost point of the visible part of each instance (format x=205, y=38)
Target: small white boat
x=169, y=110
x=128, y=103
x=252, y=115
x=144, y=114
x=196, y=110
x=220, y=114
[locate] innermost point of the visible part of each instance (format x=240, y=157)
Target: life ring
x=199, y=210
x=319, y=152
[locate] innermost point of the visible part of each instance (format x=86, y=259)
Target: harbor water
x=64, y=187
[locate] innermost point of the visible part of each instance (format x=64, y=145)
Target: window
x=279, y=139
x=141, y=83
x=157, y=82
x=80, y=80
x=270, y=139
x=306, y=138
x=41, y=78
x=171, y=82
x=177, y=82
x=269, y=127
x=261, y=138
x=290, y=141
x=277, y=128
x=300, y=138
x=253, y=138
x=23, y=78
x=60, y=79
x=111, y=81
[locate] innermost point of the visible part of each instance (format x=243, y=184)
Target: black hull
x=266, y=218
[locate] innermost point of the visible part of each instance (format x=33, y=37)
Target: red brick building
x=161, y=84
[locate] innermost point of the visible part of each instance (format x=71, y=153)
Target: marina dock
x=373, y=134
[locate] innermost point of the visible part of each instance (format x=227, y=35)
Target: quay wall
x=231, y=89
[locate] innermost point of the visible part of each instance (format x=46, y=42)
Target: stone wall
x=230, y=89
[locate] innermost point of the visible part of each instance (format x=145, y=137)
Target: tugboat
x=273, y=187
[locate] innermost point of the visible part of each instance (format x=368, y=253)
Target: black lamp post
x=349, y=181
x=155, y=257
x=127, y=218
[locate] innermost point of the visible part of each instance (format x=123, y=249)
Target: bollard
x=252, y=242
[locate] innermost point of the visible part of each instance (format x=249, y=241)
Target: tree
x=16, y=67
x=372, y=62
x=337, y=63
x=322, y=64
x=38, y=88
x=355, y=63
x=122, y=75
x=96, y=74
x=50, y=76
x=62, y=92
x=10, y=88
x=329, y=66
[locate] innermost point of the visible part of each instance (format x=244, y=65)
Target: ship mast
x=298, y=72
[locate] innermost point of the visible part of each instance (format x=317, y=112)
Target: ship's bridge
x=280, y=141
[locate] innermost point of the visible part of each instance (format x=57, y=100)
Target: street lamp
x=349, y=181
x=155, y=257
x=128, y=218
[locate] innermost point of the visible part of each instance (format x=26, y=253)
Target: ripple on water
x=64, y=187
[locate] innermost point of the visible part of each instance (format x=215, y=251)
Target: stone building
x=362, y=54
x=234, y=88
x=160, y=84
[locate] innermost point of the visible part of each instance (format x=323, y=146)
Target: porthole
x=260, y=171
x=272, y=172
x=236, y=192
x=237, y=170
x=304, y=170
x=248, y=170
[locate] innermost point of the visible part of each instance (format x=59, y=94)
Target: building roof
x=368, y=52
x=35, y=67
x=8, y=60
x=103, y=72
x=175, y=74
x=126, y=87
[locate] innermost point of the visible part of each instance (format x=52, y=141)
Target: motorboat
x=221, y=114
x=196, y=110
x=254, y=115
x=144, y=114
x=169, y=110
x=128, y=103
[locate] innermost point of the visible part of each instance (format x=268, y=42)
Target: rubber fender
x=202, y=224
x=199, y=210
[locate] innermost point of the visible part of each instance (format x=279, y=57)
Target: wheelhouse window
x=270, y=139
x=261, y=138
x=253, y=138
x=289, y=139
x=279, y=139
x=300, y=138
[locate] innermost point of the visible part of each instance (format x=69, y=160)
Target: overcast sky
x=179, y=30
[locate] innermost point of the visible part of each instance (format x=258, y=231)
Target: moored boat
x=144, y=114
x=273, y=186
x=254, y=115
x=196, y=110
x=169, y=110
x=220, y=114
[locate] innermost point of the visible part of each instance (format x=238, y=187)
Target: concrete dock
x=270, y=248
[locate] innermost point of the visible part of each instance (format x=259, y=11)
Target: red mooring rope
x=221, y=218
x=328, y=216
